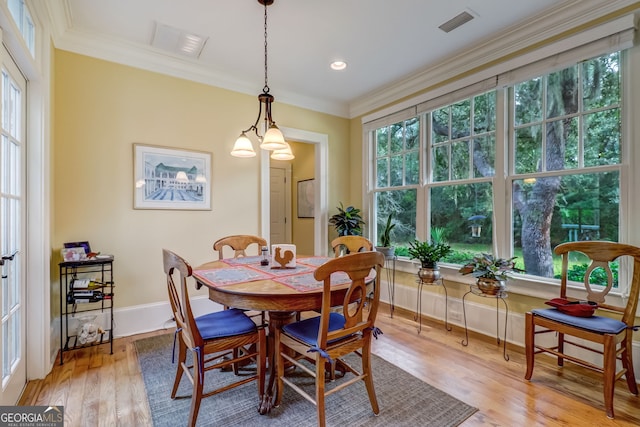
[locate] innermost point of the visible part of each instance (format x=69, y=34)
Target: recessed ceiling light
x=338, y=65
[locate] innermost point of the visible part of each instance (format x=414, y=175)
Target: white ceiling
x=384, y=42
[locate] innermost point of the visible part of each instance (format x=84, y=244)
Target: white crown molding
x=552, y=23
x=541, y=27
x=144, y=57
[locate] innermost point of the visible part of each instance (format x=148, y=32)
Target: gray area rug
x=404, y=399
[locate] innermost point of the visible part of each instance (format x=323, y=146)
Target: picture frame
x=171, y=178
x=306, y=198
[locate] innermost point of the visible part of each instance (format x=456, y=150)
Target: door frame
x=321, y=216
x=41, y=335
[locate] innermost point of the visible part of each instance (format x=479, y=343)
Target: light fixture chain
x=265, y=89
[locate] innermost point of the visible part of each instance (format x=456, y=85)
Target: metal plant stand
x=499, y=296
x=418, y=315
x=390, y=267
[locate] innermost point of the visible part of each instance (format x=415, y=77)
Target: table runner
x=248, y=269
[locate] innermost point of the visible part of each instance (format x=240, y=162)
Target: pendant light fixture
x=273, y=139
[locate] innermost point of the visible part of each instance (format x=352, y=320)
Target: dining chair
x=210, y=338
x=349, y=244
x=613, y=333
x=239, y=243
x=330, y=336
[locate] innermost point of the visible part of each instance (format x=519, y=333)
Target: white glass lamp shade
x=243, y=147
x=284, y=154
x=200, y=178
x=273, y=139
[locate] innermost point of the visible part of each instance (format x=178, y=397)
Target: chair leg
x=366, y=370
x=627, y=363
x=182, y=357
x=235, y=354
x=560, y=348
x=529, y=342
x=320, y=372
x=609, y=365
x=198, y=379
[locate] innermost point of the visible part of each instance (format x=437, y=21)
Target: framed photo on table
x=171, y=178
x=306, y=197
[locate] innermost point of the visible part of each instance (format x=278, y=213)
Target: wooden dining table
x=243, y=283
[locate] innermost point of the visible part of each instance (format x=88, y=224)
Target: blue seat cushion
x=599, y=324
x=307, y=330
x=225, y=323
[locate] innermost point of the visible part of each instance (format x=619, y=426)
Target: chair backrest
x=351, y=244
x=600, y=254
x=179, y=297
x=357, y=266
x=238, y=243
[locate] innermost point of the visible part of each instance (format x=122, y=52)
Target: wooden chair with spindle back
x=209, y=337
x=613, y=333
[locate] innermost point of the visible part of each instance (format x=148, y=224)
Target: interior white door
x=12, y=230
x=280, y=221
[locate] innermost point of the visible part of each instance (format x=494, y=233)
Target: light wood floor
x=99, y=389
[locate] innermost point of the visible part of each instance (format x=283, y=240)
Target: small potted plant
x=348, y=221
x=385, y=239
x=428, y=253
x=491, y=272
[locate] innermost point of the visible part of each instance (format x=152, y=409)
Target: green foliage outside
x=552, y=132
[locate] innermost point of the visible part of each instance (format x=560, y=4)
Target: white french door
x=12, y=230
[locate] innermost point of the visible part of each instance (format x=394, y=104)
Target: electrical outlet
x=455, y=315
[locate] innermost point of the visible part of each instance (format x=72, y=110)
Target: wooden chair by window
x=239, y=243
x=349, y=244
x=330, y=336
x=614, y=333
x=209, y=338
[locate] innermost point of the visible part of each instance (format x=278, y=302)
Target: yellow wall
x=101, y=109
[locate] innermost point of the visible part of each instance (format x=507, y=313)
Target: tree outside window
x=563, y=172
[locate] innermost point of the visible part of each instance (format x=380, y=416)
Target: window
x=547, y=160
x=397, y=159
x=567, y=158
x=22, y=18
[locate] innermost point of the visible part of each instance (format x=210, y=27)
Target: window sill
x=527, y=285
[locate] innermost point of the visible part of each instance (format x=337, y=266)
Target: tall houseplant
x=348, y=221
x=385, y=239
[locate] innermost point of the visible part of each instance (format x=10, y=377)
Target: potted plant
x=428, y=253
x=491, y=272
x=348, y=221
x=385, y=239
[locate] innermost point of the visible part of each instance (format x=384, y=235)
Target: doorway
x=320, y=221
x=280, y=202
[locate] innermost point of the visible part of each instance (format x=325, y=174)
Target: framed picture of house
x=306, y=196
x=171, y=178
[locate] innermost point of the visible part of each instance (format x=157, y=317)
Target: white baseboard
x=132, y=320
x=480, y=318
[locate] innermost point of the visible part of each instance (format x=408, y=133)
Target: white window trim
x=606, y=38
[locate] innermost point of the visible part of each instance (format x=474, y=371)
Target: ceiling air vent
x=177, y=41
x=456, y=21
